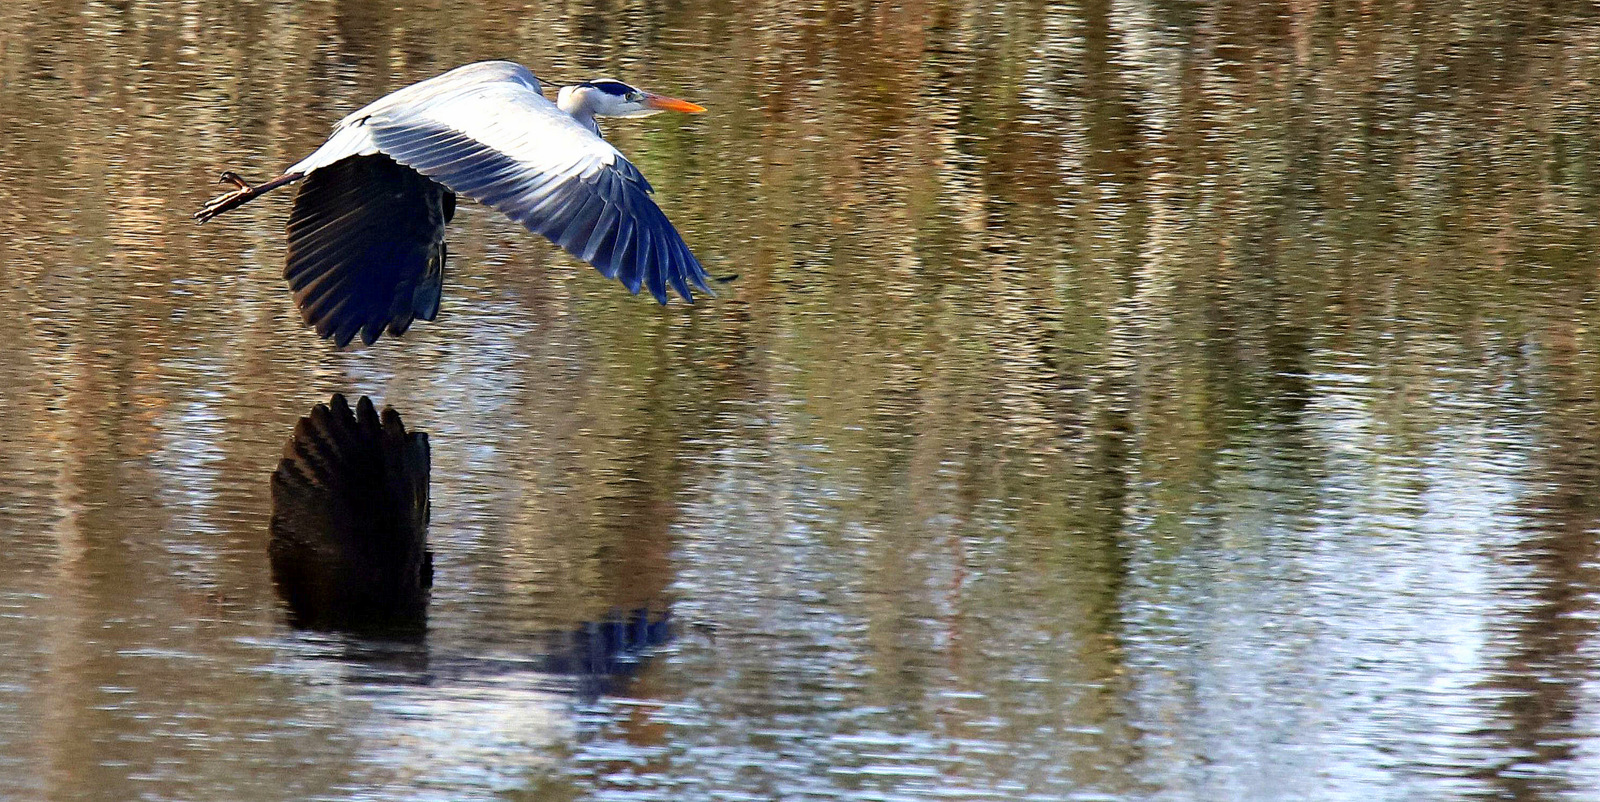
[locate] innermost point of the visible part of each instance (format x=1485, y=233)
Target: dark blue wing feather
x=366, y=248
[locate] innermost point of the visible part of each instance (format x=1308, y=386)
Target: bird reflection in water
x=349, y=556
x=601, y=654
x=349, y=546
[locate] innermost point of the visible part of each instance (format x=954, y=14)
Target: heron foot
x=222, y=203
x=244, y=193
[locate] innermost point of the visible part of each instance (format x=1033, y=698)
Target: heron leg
x=242, y=195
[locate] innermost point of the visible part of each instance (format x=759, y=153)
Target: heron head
x=605, y=97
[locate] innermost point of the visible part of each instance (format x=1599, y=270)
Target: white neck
x=576, y=104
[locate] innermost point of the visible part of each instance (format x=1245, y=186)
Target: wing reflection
x=588, y=661
x=600, y=655
x=349, y=544
x=349, y=556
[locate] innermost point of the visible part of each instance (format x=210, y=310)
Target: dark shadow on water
x=349, y=524
x=350, y=560
x=591, y=660
x=599, y=656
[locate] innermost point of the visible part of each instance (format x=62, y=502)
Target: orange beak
x=665, y=103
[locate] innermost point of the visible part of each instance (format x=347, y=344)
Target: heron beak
x=664, y=103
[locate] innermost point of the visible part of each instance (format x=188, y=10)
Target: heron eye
x=636, y=97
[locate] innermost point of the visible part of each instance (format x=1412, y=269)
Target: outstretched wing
x=366, y=248
x=501, y=143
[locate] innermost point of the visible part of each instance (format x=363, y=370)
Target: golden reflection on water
x=1125, y=399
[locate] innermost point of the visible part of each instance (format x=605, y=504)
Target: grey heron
x=366, y=246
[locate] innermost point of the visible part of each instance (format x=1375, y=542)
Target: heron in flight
x=366, y=236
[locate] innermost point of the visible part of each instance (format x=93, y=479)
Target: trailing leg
x=244, y=194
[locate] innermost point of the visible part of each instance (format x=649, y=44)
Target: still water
x=1119, y=400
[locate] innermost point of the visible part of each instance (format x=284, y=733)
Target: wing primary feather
x=698, y=276
x=631, y=271
x=599, y=236
x=679, y=283
x=656, y=275
x=580, y=221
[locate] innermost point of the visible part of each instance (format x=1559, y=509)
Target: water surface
x=1118, y=401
